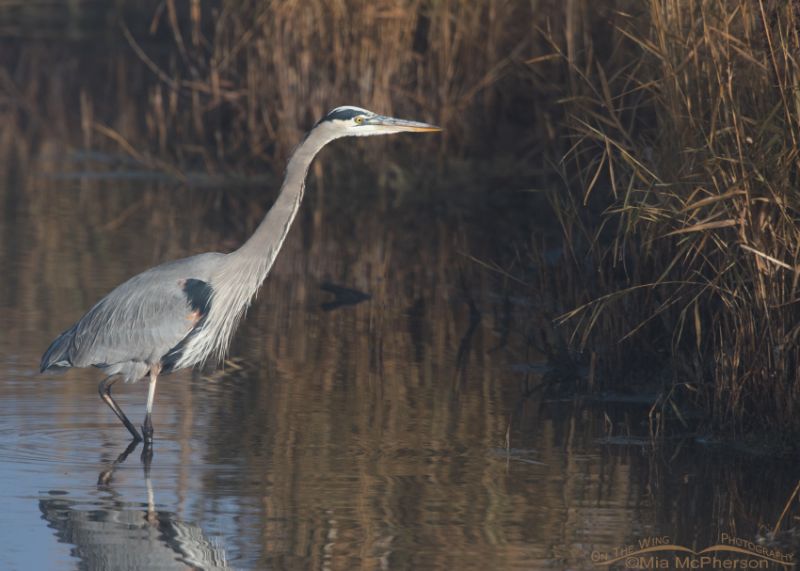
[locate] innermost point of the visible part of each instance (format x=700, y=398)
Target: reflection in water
x=342, y=296
x=117, y=534
x=393, y=433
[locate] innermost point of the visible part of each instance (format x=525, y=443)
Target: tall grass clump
x=246, y=77
x=681, y=226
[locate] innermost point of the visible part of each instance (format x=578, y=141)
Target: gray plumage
x=182, y=313
x=137, y=324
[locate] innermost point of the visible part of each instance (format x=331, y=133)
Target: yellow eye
x=359, y=120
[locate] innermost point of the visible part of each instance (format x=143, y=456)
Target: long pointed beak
x=397, y=125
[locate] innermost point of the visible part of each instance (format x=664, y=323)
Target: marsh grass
x=680, y=217
x=245, y=78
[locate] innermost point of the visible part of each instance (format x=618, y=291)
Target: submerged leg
x=104, y=388
x=147, y=427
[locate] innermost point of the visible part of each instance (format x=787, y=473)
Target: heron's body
x=181, y=313
x=142, y=323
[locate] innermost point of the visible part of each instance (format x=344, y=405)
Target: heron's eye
x=359, y=120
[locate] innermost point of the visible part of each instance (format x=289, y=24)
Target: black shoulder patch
x=198, y=293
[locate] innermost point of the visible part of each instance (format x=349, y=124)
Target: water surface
x=393, y=433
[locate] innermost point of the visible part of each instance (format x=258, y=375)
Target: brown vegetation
x=263, y=72
x=680, y=226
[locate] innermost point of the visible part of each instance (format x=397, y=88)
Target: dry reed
x=268, y=70
x=680, y=228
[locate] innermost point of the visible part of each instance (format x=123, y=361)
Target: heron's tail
x=57, y=354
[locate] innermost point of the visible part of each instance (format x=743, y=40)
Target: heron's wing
x=140, y=320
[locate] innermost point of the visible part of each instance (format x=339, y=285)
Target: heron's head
x=349, y=121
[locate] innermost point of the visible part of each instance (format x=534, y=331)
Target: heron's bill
x=403, y=124
x=424, y=128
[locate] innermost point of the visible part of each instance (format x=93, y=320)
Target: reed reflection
x=368, y=435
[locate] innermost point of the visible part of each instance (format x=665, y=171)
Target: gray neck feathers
x=240, y=274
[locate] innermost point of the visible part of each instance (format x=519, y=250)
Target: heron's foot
x=147, y=430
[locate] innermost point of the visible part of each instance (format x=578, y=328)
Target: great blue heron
x=182, y=313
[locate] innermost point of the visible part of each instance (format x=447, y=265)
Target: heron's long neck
x=266, y=241
x=237, y=279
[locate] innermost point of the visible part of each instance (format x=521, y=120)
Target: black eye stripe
x=343, y=114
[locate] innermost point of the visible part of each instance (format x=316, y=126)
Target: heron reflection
x=118, y=534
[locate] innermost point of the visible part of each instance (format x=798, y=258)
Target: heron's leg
x=104, y=388
x=147, y=427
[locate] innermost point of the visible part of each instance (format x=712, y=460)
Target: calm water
x=390, y=434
